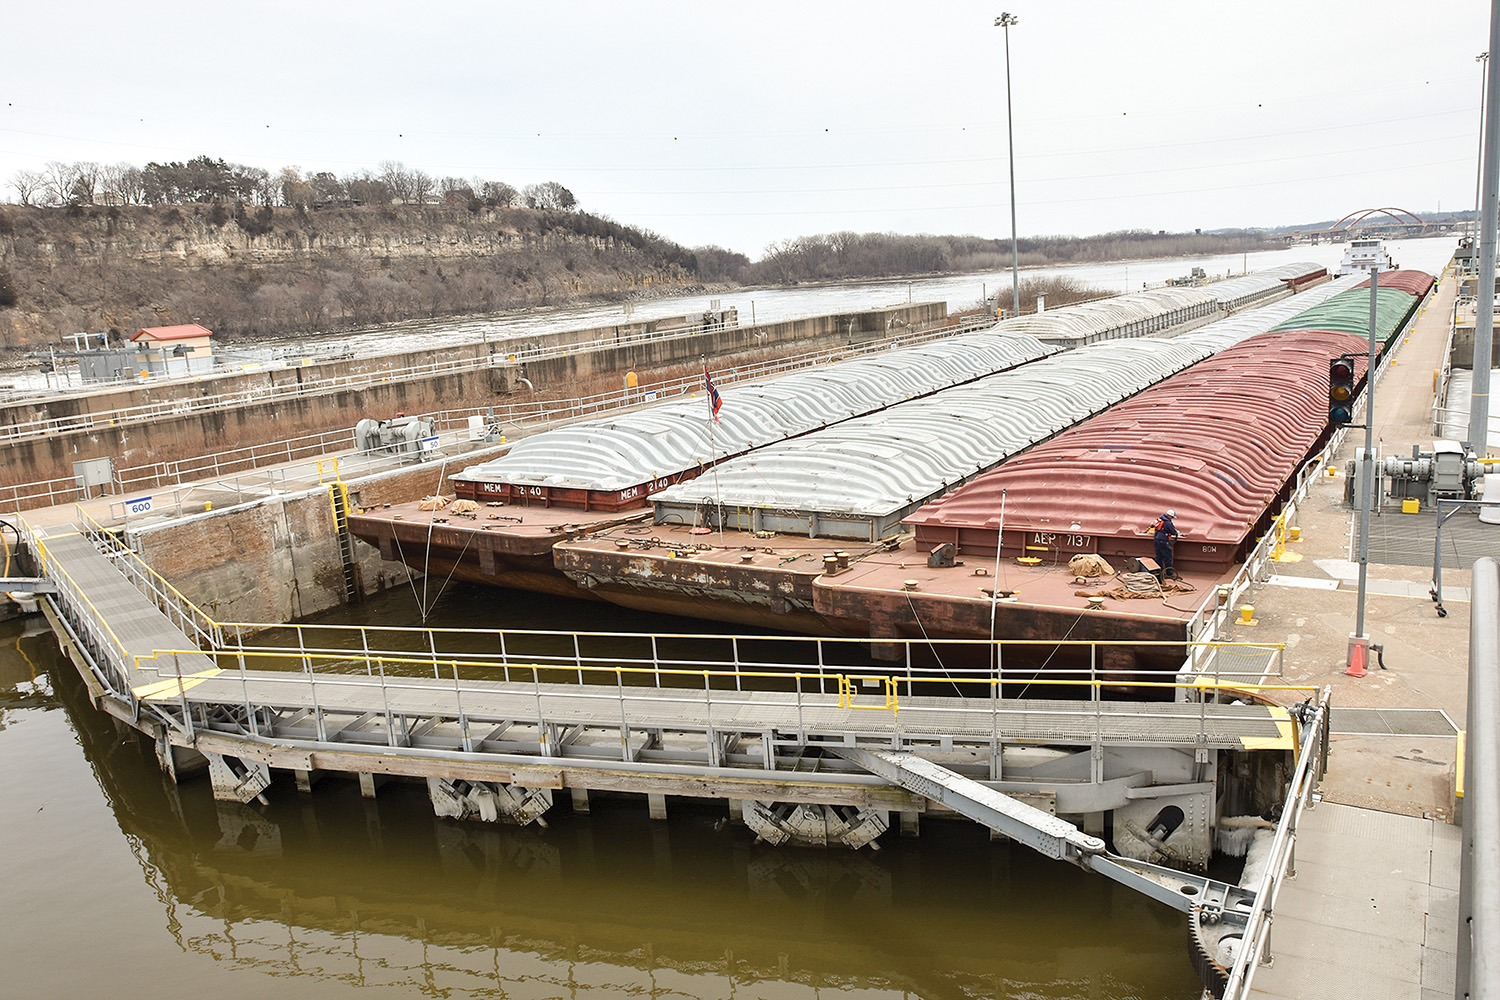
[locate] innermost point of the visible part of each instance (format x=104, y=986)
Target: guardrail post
x=1479, y=873
x=312, y=690
x=187, y=718
x=385, y=700
x=245, y=691
x=541, y=724
x=624, y=726
x=708, y=705
x=463, y=720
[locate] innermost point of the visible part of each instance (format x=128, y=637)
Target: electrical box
x=1354, y=480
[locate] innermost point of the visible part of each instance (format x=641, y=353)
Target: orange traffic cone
x=1359, y=655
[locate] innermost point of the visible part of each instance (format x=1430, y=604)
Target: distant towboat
x=1363, y=255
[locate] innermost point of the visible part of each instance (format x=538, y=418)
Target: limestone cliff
x=260, y=272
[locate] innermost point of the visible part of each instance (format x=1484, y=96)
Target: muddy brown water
x=116, y=880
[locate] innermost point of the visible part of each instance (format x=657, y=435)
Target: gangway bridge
x=806, y=740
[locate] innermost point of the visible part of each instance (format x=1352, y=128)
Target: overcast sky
x=749, y=123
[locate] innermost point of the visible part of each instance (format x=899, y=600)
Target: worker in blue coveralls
x=1165, y=535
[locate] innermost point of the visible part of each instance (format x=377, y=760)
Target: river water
x=118, y=880
x=959, y=292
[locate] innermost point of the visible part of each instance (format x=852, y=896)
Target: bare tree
x=498, y=193
x=85, y=183
x=30, y=185
x=326, y=187
x=111, y=183
x=455, y=190
x=548, y=194
x=398, y=180
x=262, y=185
x=368, y=189
x=133, y=185
x=421, y=186
x=294, y=190
x=59, y=182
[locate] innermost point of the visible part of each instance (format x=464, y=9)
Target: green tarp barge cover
x=1349, y=312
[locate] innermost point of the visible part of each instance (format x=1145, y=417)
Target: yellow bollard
x=1247, y=614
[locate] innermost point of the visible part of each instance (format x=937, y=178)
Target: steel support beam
x=1038, y=830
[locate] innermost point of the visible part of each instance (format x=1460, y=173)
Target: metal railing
x=1213, y=614
x=1440, y=408
x=1255, y=943
x=823, y=655
x=921, y=661
x=86, y=626
x=691, y=696
x=185, y=616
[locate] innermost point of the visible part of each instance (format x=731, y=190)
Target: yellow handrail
x=145, y=567
x=45, y=560
x=846, y=683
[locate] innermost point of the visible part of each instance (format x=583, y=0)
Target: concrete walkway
x=1372, y=912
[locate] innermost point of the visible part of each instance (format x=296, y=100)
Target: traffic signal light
x=1340, y=390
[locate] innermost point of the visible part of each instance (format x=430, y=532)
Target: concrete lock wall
x=146, y=392
x=280, y=558
x=219, y=430
x=1463, y=346
x=282, y=417
x=725, y=345
x=267, y=562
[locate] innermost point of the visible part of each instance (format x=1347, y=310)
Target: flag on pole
x=714, y=399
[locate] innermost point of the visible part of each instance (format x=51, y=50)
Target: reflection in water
x=340, y=891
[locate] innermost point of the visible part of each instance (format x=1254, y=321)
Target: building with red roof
x=174, y=350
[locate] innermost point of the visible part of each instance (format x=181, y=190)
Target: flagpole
x=995, y=584
x=713, y=418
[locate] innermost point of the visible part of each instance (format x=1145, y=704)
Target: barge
x=593, y=474
x=794, y=527
x=748, y=544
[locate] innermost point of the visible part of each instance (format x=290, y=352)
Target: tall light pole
x=1005, y=20
x=1484, y=246
x=1484, y=64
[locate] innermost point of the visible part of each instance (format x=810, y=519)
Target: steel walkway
x=495, y=737
x=192, y=687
